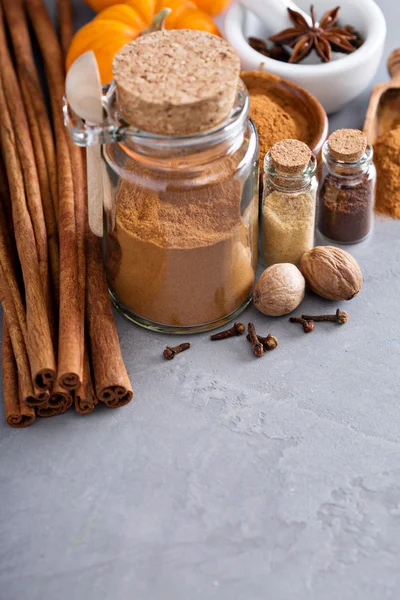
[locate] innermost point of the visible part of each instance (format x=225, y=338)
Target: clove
x=308, y=324
x=170, y=353
x=269, y=343
x=256, y=346
x=237, y=329
x=339, y=317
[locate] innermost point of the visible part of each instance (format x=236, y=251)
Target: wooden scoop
x=384, y=106
x=84, y=93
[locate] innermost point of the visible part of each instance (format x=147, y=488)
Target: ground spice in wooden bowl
x=282, y=110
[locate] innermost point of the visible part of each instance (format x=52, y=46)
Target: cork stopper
x=176, y=82
x=290, y=156
x=347, y=145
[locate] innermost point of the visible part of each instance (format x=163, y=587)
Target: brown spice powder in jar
x=180, y=258
x=181, y=251
x=346, y=211
x=347, y=195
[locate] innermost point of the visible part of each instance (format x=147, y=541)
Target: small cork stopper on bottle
x=176, y=82
x=347, y=145
x=290, y=156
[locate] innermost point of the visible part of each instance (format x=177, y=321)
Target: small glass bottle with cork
x=289, y=202
x=347, y=193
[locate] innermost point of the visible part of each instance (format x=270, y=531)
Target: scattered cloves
x=256, y=346
x=237, y=329
x=308, y=324
x=269, y=343
x=339, y=317
x=170, y=353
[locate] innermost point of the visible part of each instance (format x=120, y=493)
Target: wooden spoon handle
x=393, y=64
x=95, y=189
x=108, y=199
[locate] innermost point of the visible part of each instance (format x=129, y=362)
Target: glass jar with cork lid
x=182, y=157
x=289, y=202
x=347, y=193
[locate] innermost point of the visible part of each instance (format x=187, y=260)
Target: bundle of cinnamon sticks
x=60, y=344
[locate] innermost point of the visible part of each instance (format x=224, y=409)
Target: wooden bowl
x=297, y=101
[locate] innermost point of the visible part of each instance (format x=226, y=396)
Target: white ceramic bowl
x=334, y=84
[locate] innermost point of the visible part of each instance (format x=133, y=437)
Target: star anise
x=323, y=37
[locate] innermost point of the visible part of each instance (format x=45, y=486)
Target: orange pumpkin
x=212, y=7
x=188, y=16
x=145, y=8
x=118, y=24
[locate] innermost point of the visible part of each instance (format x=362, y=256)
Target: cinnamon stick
x=39, y=127
x=78, y=164
x=45, y=410
x=18, y=344
x=112, y=385
x=18, y=413
x=39, y=343
x=59, y=397
x=31, y=86
x=5, y=199
x=70, y=347
x=84, y=398
x=8, y=263
x=65, y=24
x=41, y=396
x=24, y=147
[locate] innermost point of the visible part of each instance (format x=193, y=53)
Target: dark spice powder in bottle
x=347, y=193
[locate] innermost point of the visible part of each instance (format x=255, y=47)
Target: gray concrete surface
x=228, y=477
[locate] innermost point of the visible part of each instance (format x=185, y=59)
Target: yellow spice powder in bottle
x=289, y=203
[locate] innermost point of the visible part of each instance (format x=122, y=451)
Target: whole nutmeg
x=331, y=273
x=279, y=290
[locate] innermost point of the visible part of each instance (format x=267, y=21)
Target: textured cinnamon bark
x=18, y=344
x=65, y=24
x=84, y=398
x=41, y=396
x=8, y=262
x=18, y=413
x=112, y=385
x=78, y=164
x=5, y=199
x=24, y=147
x=39, y=344
x=40, y=131
x=45, y=410
x=58, y=397
x=31, y=86
x=70, y=347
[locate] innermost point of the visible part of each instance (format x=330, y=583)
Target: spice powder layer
x=180, y=258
